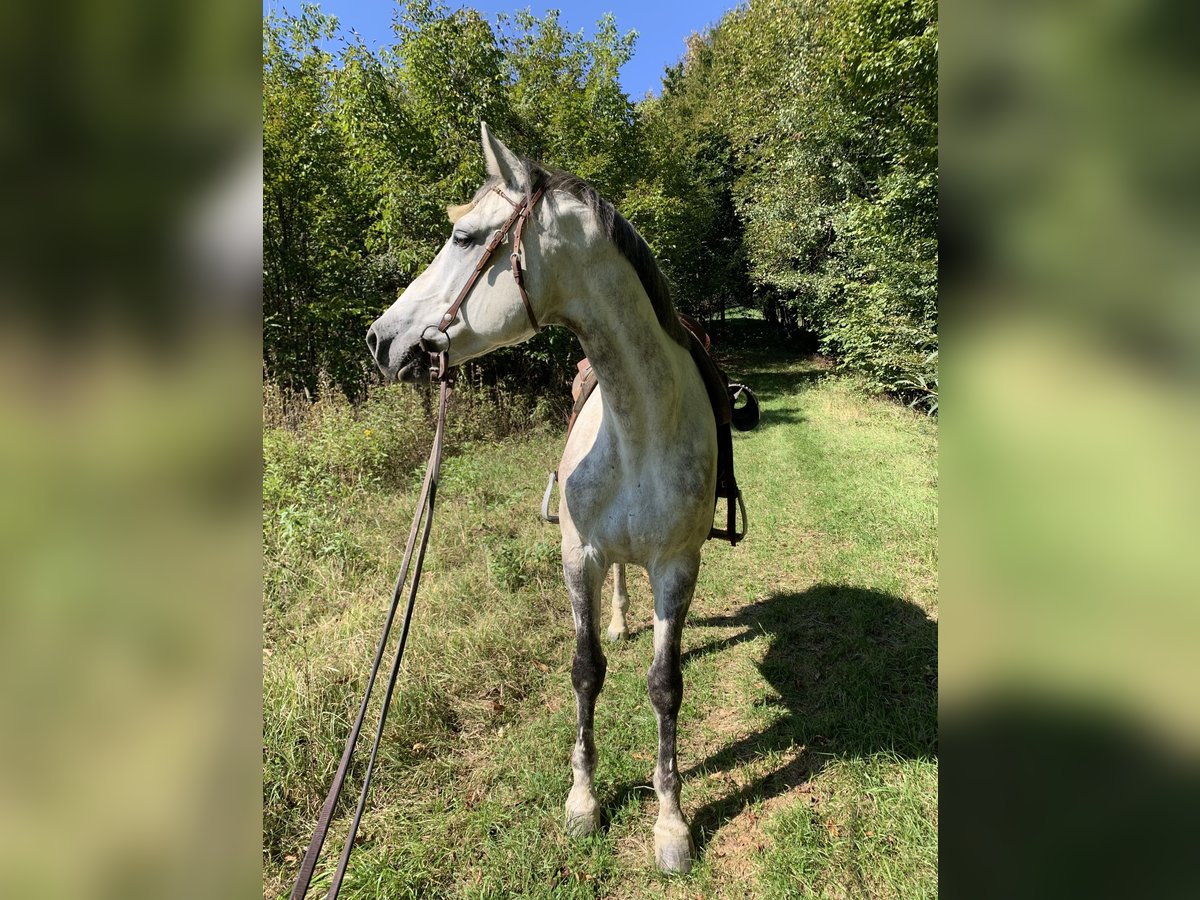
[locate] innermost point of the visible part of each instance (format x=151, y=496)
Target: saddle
x=721, y=396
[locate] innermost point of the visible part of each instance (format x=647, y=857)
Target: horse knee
x=587, y=672
x=665, y=684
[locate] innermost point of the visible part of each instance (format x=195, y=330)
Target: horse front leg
x=673, y=587
x=585, y=579
x=617, y=629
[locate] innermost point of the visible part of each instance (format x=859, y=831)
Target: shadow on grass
x=853, y=673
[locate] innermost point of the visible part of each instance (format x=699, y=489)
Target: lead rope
x=445, y=377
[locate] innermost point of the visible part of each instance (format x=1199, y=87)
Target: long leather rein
x=414, y=558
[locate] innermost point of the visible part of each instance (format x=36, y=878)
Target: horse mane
x=626, y=239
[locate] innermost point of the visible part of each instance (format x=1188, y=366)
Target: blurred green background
x=1070, y=510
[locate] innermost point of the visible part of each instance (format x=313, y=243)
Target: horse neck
x=641, y=370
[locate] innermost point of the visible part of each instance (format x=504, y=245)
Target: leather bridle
x=520, y=215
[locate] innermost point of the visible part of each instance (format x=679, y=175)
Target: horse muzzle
x=415, y=365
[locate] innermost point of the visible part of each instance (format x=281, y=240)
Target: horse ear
x=502, y=163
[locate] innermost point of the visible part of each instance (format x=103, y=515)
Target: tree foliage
x=790, y=164
x=316, y=211
x=829, y=111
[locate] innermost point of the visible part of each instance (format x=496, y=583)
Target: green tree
x=790, y=163
x=316, y=213
x=878, y=68
x=684, y=204
x=829, y=110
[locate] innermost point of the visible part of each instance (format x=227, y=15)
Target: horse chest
x=633, y=506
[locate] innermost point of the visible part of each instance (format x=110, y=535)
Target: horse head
x=494, y=313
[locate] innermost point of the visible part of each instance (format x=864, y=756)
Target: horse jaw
x=402, y=339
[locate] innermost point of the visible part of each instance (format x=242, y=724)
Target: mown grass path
x=808, y=730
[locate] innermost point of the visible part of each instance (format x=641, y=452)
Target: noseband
x=520, y=215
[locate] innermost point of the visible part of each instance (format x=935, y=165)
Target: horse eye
x=460, y=239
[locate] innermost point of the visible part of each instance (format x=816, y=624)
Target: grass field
x=808, y=733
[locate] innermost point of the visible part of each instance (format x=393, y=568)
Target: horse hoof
x=581, y=825
x=673, y=851
x=616, y=637
x=675, y=858
x=583, y=818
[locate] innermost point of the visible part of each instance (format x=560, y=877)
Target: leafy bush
x=332, y=443
x=825, y=114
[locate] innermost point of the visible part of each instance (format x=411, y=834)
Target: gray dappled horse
x=639, y=470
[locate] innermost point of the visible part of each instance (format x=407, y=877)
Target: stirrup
x=722, y=534
x=547, y=516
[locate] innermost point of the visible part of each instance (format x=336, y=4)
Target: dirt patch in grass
x=735, y=851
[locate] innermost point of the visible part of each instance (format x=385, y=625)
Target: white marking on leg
x=617, y=628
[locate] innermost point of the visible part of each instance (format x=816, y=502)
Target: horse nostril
x=378, y=346
x=381, y=352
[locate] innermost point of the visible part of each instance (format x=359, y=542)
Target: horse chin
x=414, y=366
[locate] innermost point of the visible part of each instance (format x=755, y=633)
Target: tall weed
x=318, y=453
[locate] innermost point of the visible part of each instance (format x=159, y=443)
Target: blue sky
x=662, y=26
